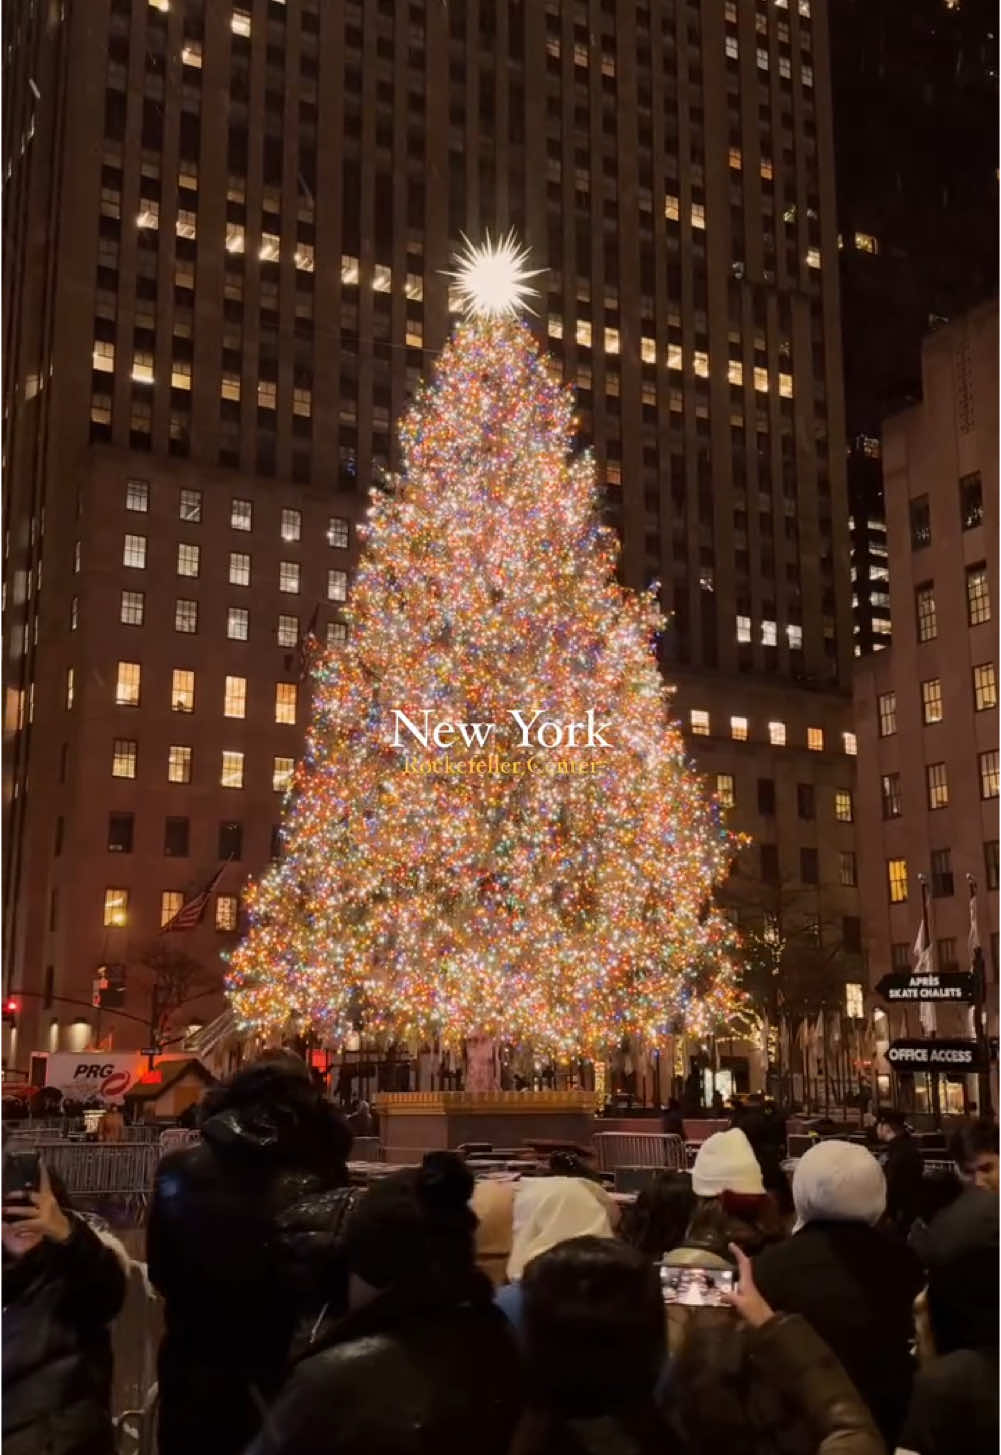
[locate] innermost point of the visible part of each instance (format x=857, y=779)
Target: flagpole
x=985, y=1100
x=929, y=1022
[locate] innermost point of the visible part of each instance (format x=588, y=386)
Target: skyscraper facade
x=927, y=708
x=227, y=232
x=916, y=94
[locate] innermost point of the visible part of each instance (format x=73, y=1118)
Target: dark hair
x=971, y=1142
x=414, y=1229
x=710, y=1403
x=594, y=1328
x=962, y=1255
x=659, y=1218
x=291, y=1117
x=890, y=1117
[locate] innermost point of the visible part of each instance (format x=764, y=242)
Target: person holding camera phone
x=62, y=1286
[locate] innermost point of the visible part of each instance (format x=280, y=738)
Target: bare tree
x=177, y=978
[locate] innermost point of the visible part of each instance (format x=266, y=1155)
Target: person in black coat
x=903, y=1167
x=854, y=1284
x=594, y=1347
x=423, y=1360
x=62, y=1286
x=242, y=1244
x=954, y=1405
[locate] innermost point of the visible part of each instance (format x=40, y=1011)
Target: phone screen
x=696, y=1287
x=21, y=1176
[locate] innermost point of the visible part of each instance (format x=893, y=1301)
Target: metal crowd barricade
x=639, y=1149
x=175, y=1137
x=121, y=1170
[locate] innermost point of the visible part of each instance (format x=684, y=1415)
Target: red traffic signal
x=11, y=1006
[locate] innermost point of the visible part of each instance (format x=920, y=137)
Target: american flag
x=190, y=914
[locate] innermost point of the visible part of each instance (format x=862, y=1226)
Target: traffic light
x=11, y=1007
x=109, y=987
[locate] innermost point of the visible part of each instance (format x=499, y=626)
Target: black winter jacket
x=954, y=1406
x=241, y=1243
x=402, y=1377
x=57, y=1303
x=856, y=1287
x=903, y=1167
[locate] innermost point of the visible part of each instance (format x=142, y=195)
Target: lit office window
x=777, y=734
x=185, y=615
x=931, y=700
x=137, y=495
x=237, y=623
x=231, y=775
x=896, y=874
x=123, y=758
x=738, y=729
x=171, y=903
x=239, y=568
x=938, y=785
x=850, y=744
x=844, y=808
x=700, y=722
x=127, y=684
x=182, y=690
x=985, y=690
x=241, y=515
x=178, y=763
x=288, y=631
x=116, y=907
x=226, y=912
x=281, y=774
x=725, y=789
x=815, y=739
x=132, y=608
x=886, y=703
x=286, y=694
x=235, y=697
x=978, y=601
x=289, y=577
x=291, y=526
x=134, y=552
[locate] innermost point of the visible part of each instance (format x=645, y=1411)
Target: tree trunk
x=482, y=1064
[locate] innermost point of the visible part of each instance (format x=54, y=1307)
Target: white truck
x=81, y=1075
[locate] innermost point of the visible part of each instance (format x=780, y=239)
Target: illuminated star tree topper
x=474, y=886
x=491, y=280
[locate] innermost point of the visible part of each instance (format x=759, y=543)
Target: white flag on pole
x=923, y=966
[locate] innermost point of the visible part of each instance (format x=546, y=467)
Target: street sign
x=952, y=985
x=957, y=1056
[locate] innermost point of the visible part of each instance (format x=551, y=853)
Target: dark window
x=276, y=841
x=57, y=847
x=175, y=838
x=809, y=871
x=49, y=986
x=971, y=500
x=900, y=955
x=766, y=795
x=53, y=909
x=120, y=833
x=770, y=863
x=991, y=863
x=920, y=523
x=941, y=873
x=851, y=933
x=230, y=840
x=805, y=800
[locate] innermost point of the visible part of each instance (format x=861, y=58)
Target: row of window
x=809, y=869
x=806, y=798
x=176, y=837
x=978, y=602
x=241, y=515
x=180, y=762
x=128, y=689
x=700, y=726
x=985, y=695
x=937, y=785
x=971, y=510
x=116, y=909
x=134, y=552
x=132, y=612
x=941, y=880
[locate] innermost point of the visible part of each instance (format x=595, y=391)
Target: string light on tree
x=564, y=906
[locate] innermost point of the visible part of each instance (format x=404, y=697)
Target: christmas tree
x=512, y=877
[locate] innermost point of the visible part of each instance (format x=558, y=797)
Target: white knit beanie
x=726, y=1163
x=838, y=1182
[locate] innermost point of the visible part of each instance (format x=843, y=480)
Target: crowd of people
x=722, y=1313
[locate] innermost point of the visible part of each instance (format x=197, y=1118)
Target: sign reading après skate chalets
x=530, y=741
